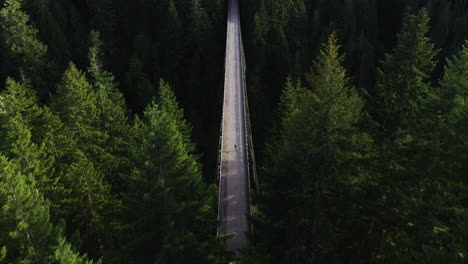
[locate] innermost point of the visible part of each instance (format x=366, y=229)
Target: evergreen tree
x=112, y=109
x=316, y=165
x=50, y=31
x=64, y=254
x=33, y=160
x=404, y=89
x=168, y=104
x=19, y=101
x=26, y=230
x=37, y=138
x=22, y=51
x=76, y=104
x=454, y=151
x=166, y=191
x=91, y=206
x=409, y=137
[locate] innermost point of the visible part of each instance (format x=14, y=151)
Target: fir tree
x=91, y=205
x=112, y=118
x=165, y=189
x=168, y=104
x=64, y=254
x=33, y=160
x=19, y=101
x=22, y=50
x=76, y=104
x=49, y=29
x=316, y=164
x=404, y=88
x=26, y=229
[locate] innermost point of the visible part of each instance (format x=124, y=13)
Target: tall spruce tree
x=22, y=51
x=33, y=160
x=81, y=109
x=112, y=113
x=19, y=101
x=91, y=206
x=76, y=104
x=26, y=230
x=315, y=166
x=64, y=254
x=404, y=88
x=166, y=191
x=409, y=140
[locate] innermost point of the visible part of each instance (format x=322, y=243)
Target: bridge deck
x=234, y=204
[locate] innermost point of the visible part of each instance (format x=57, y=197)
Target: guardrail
x=250, y=144
x=221, y=133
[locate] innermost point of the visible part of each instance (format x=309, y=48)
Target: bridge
x=236, y=161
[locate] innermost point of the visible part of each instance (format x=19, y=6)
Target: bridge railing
x=250, y=148
x=221, y=133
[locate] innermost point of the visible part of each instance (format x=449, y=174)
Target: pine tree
x=49, y=29
x=32, y=159
x=112, y=109
x=76, y=104
x=26, y=228
x=404, y=88
x=315, y=166
x=166, y=191
x=19, y=101
x=91, y=205
x=409, y=135
x=21, y=48
x=37, y=138
x=109, y=99
x=454, y=151
x=168, y=104
x=64, y=254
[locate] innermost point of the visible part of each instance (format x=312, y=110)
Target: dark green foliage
x=316, y=167
x=22, y=49
x=380, y=179
x=32, y=159
x=76, y=103
x=22, y=52
x=112, y=118
x=167, y=205
x=27, y=232
x=64, y=254
x=404, y=89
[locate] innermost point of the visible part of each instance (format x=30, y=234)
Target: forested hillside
x=366, y=161
x=97, y=158
x=109, y=127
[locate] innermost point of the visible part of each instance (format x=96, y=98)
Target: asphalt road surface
x=234, y=196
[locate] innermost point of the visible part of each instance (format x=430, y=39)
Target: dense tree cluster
x=81, y=179
x=282, y=38
x=354, y=177
x=142, y=42
x=366, y=161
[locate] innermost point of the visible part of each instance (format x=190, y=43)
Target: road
x=234, y=196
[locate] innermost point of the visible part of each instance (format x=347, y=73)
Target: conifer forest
x=110, y=116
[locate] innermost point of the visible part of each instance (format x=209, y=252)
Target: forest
x=110, y=116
